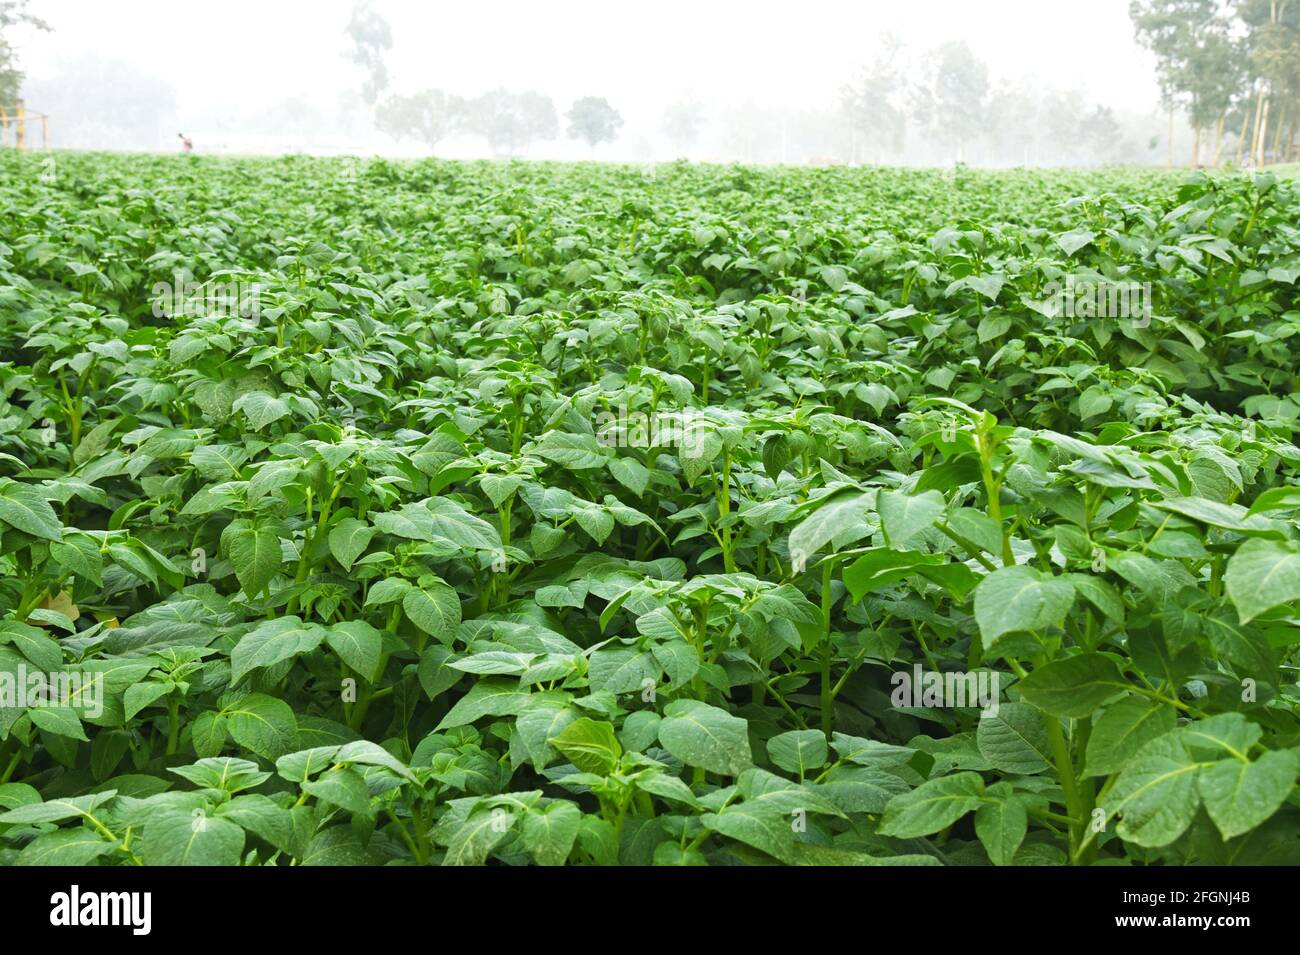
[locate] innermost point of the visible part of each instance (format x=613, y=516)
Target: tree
x=13, y=13
x=1198, y=62
x=594, y=121
x=1162, y=27
x=511, y=122
x=871, y=104
x=1208, y=73
x=1273, y=60
x=1215, y=76
x=1101, y=135
x=538, y=120
x=682, y=122
x=1059, y=114
x=371, y=38
x=429, y=116
x=1014, y=123
x=101, y=102
x=955, y=100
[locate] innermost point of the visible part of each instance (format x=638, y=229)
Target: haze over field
x=1003, y=82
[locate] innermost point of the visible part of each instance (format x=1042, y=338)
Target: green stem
x=173, y=722
x=1065, y=773
x=827, y=691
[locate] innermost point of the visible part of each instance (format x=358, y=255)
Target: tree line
x=509, y=121
x=1233, y=68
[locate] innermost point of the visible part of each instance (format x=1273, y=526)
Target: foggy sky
x=251, y=54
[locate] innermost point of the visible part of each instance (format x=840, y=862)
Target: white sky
x=641, y=56
x=781, y=53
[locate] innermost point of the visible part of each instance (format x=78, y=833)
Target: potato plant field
x=356, y=512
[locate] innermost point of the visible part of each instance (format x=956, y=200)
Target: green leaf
x=622, y=669
x=474, y=839
x=1156, y=795
x=798, y=751
x=272, y=642
x=56, y=810
x=59, y=720
x=589, y=744
x=577, y=452
x=208, y=733
x=765, y=829
x=1014, y=740
x=260, y=408
x=702, y=735
x=434, y=607
x=173, y=837
x=1240, y=795
x=359, y=645
x=434, y=673
x=25, y=508
x=841, y=518
x=343, y=787
x=254, y=552
x=338, y=846
x=348, y=540
x=1072, y=242
x=883, y=566
x=264, y=818
x=143, y=694
x=1001, y=826
x=1124, y=728
x=1261, y=575
x=904, y=516
x=226, y=773
x=1019, y=598
x=263, y=725
x=66, y=847
x=1074, y=686
x=932, y=806
x=630, y=473
x=488, y=697
x=549, y=833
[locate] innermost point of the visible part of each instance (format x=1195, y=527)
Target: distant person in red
x=187, y=145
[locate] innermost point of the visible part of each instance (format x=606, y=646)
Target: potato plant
x=576, y=514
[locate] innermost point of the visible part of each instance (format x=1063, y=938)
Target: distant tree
x=1168, y=29
x=748, y=130
x=371, y=39
x=1272, y=49
x=1214, y=79
x=538, y=120
x=13, y=13
x=594, y=121
x=1101, y=135
x=955, y=99
x=682, y=121
x=101, y=102
x=429, y=116
x=496, y=116
x=1060, y=115
x=1014, y=123
x=871, y=104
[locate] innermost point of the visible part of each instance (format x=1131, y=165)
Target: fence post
x=21, y=113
